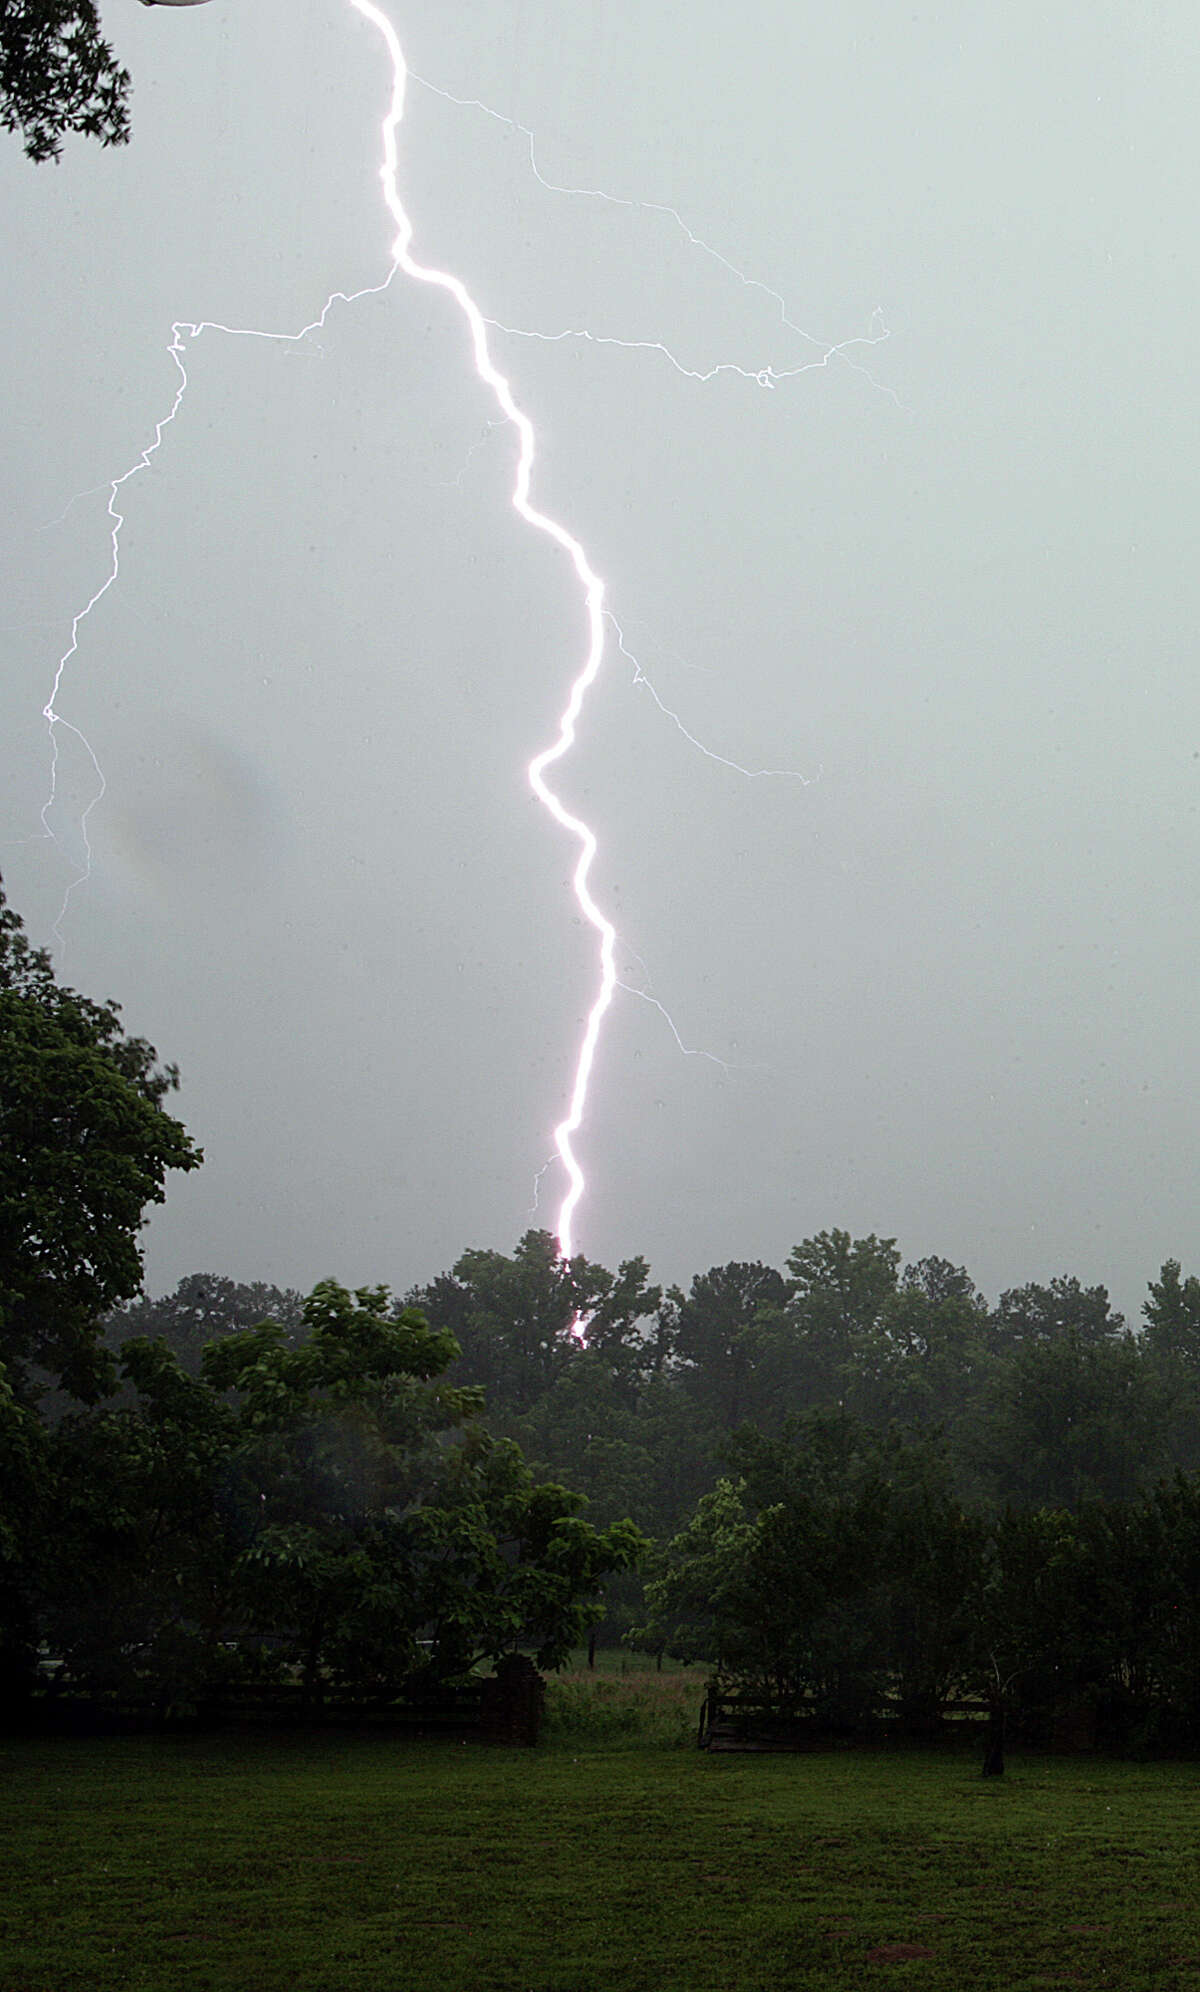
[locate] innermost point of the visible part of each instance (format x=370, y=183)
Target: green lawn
x=296, y=1866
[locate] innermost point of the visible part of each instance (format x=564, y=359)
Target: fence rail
x=504, y=1707
x=742, y=1719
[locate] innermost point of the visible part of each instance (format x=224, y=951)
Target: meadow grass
x=327, y=1864
x=624, y=1700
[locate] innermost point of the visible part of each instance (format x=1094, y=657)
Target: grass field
x=604, y=1861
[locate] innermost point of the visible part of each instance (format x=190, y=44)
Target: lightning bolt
x=593, y=601
x=596, y=614
x=181, y=331
x=709, y=753
x=767, y=376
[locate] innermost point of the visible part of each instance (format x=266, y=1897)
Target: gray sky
x=952, y=971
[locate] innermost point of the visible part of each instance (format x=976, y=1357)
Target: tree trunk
x=311, y=1677
x=993, y=1743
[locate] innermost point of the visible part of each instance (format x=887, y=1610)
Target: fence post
x=514, y=1700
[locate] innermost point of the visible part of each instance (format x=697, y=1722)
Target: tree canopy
x=58, y=75
x=85, y=1145
x=867, y=1486
x=324, y=1508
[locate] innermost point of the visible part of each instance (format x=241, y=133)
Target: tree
x=23, y=1491
x=592, y=1439
x=934, y=1331
x=336, y=1442
x=504, y=1562
x=520, y=1321
x=1172, y=1316
x=203, y=1307
x=696, y=1604
x=717, y=1335
x=844, y=1282
x=1167, y=1625
x=1045, y=1314
x=327, y=1509
x=837, y=1567
x=875, y=1563
x=1172, y=1343
x=85, y=1145
x=1074, y=1420
x=58, y=75
x=137, y=1543
x=832, y=1345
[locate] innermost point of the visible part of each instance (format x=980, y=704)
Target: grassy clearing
x=614, y=1706
x=338, y=1865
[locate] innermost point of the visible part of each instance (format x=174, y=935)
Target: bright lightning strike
x=596, y=614
x=593, y=598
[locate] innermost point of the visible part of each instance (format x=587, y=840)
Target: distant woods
x=865, y=1490
x=235, y=1490
x=870, y=1491
x=1047, y=1398
x=848, y=1480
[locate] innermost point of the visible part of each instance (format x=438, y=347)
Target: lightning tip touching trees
x=596, y=617
x=593, y=595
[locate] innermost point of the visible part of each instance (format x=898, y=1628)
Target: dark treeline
x=310, y=1505
x=834, y=1571
x=1046, y=1399
x=865, y=1488
x=842, y=1479
x=233, y=1489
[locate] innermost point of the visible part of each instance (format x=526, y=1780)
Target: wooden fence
x=742, y=1719
x=504, y=1707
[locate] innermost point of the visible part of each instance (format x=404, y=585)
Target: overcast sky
x=949, y=955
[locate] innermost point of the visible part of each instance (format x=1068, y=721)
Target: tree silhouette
x=58, y=75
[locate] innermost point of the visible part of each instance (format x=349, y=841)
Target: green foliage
x=23, y=1489
x=1172, y=1315
x=202, y=1307
x=1047, y=1315
x=510, y=1563
x=85, y=1145
x=1172, y=1345
x=918, y=1495
x=698, y=1598
x=719, y=1333
x=1073, y=1420
x=836, y=1568
x=133, y=1562
x=841, y=1570
x=929, y=1355
x=842, y=1283
x=521, y=1321
x=57, y=75
x=1045, y=1401
x=323, y=1507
